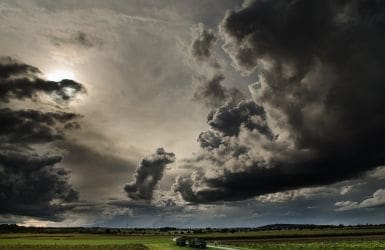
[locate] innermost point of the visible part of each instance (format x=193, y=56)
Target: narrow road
x=221, y=247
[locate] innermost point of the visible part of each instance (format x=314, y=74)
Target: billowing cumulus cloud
x=228, y=119
x=321, y=86
x=31, y=184
x=377, y=200
x=148, y=174
x=378, y=173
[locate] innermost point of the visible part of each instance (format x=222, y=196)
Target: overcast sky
x=191, y=113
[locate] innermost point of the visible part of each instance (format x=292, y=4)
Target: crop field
x=84, y=241
x=304, y=239
x=274, y=239
x=361, y=244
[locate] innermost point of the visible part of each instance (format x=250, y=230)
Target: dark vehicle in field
x=196, y=243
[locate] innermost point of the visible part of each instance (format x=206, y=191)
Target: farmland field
x=84, y=241
x=274, y=239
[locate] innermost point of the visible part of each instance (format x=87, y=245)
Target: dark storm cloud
x=9, y=67
x=148, y=174
x=228, y=119
x=22, y=81
x=208, y=87
x=209, y=139
x=321, y=84
x=30, y=185
x=32, y=126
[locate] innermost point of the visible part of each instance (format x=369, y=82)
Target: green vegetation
x=293, y=233
x=343, y=244
x=85, y=241
x=337, y=238
x=76, y=247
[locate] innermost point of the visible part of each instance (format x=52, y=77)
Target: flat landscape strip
x=303, y=239
x=75, y=247
x=315, y=245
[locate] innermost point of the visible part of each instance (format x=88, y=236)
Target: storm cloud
x=321, y=84
x=32, y=126
x=303, y=146
x=148, y=174
x=228, y=119
x=31, y=184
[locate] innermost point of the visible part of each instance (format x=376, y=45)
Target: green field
x=84, y=241
x=363, y=244
x=282, y=239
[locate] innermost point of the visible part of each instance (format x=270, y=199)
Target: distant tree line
x=13, y=228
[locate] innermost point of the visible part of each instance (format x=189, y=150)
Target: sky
x=193, y=113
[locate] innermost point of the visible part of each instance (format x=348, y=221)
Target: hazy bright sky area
x=192, y=113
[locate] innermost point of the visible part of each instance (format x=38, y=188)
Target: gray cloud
x=32, y=126
x=304, y=193
x=212, y=93
x=208, y=78
x=320, y=84
x=21, y=81
x=378, y=173
x=228, y=120
x=9, y=67
x=377, y=200
x=148, y=174
x=203, y=44
x=30, y=183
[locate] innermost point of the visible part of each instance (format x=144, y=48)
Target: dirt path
x=222, y=247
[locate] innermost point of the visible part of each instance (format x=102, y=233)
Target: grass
x=364, y=244
x=84, y=241
x=271, y=234
x=283, y=239
x=76, y=247
x=338, y=238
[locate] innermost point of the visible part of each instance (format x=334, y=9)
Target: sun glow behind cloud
x=33, y=223
x=60, y=74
